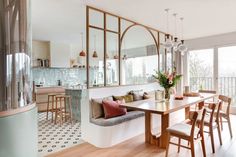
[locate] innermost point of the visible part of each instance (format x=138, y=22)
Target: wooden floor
x=136, y=147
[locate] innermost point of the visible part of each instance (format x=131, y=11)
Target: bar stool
x=63, y=108
x=51, y=98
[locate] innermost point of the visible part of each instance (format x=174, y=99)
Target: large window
x=201, y=69
x=227, y=71
x=214, y=69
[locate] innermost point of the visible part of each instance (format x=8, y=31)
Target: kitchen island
x=78, y=98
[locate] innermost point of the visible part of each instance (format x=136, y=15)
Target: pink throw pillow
x=113, y=109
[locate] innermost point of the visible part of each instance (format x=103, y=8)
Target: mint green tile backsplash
x=68, y=76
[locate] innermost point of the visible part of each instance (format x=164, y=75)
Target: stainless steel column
x=15, y=47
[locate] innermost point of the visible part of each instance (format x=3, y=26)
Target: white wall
x=212, y=41
x=121, y=90
x=60, y=54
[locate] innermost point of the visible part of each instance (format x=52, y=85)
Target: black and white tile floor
x=53, y=138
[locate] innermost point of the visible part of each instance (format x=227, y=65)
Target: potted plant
x=167, y=81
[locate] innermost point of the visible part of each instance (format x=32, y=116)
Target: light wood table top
x=154, y=106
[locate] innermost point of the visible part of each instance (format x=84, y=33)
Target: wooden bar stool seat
x=63, y=108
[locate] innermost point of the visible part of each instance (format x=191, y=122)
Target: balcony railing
x=226, y=85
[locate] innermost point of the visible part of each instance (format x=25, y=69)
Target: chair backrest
x=193, y=120
x=207, y=91
x=225, y=100
x=210, y=112
x=201, y=124
x=218, y=110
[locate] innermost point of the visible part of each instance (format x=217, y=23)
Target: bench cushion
x=117, y=120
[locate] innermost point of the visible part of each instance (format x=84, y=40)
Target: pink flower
x=170, y=77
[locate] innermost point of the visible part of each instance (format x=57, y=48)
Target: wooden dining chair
x=187, y=132
x=196, y=106
x=212, y=122
x=206, y=103
x=226, y=103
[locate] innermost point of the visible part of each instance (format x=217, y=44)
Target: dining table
x=165, y=108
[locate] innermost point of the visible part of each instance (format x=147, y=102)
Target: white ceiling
x=63, y=20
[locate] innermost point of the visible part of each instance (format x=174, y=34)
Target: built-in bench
x=103, y=132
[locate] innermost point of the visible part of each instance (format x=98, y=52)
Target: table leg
x=149, y=138
x=164, y=134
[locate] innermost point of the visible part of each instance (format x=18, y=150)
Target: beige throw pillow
x=97, y=108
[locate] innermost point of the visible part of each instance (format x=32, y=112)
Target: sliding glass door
x=213, y=69
x=201, y=69
x=227, y=71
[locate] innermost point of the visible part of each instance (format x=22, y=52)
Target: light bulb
x=182, y=47
x=176, y=44
x=168, y=43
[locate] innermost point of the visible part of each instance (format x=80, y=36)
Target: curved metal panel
x=15, y=46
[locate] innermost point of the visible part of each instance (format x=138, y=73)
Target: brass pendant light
x=116, y=56
x=95, y=55
x=82, y=53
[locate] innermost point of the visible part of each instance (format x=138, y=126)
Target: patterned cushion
x=97, y=108
x=146, y=95
x=127, y=98
x=113, y=109
x=138, y=95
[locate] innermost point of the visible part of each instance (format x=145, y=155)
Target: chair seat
x=182, y=129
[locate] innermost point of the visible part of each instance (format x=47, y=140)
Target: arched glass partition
x=121, y=51
x=139, y=55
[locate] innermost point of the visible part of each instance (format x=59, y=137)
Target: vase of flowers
x=167, y=80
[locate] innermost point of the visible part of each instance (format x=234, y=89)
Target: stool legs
x=63, y=111
x=53, y=107
x=48, y=106
x=70, y=111
x=56, y=110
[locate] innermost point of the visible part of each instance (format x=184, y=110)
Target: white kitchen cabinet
x=59, y=54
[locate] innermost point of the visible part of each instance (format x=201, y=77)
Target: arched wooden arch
x=146, y=28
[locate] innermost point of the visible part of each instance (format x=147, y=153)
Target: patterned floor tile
x=53, y=138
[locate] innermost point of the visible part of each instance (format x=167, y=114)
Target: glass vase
x=167, y=94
